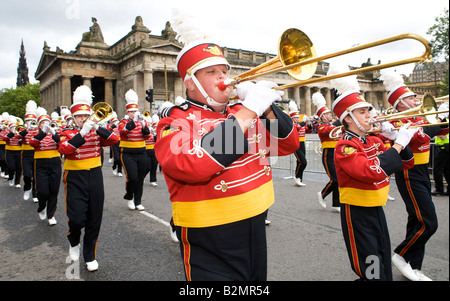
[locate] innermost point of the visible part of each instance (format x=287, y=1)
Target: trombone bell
x=102, y=112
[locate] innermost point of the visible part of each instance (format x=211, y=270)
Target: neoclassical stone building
x=141, y=60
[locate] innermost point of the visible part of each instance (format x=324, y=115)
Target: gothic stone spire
x=22, y=69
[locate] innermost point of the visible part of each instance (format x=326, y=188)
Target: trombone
x=102, y=112
x=427, y=109
x=297, y=56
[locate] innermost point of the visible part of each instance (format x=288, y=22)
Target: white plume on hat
x=12, y=119
x=65, y=112
x=131, y=97
x=179, y=100
x=318, y=100
x=41, y=111
x=391, y=79
x=54, y=116
x=82, y=94
x=30, y=107
x=293, y=106
x=343, y=84
x=187, y=26
x=5, y=115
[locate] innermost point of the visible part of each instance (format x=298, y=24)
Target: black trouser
x=152, y=165
x=332, y=185
x=301, y=160
x=235, y=251
x=414, y=186
x=14, y=166
x=366, y=237
x=441, y=167
x=3, y=165
x=28, y=171
x=115, y=151
x=84, y=207
x=47, y=178
x=134, y=164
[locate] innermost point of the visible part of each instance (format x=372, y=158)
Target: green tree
x=440, y=32
x=14, y=101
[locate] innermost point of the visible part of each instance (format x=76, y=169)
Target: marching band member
x=47, y=167
x=28, y=151
x=133, y=132
x=83, y=178
x=325, y=127
x=66, y=119
x=214, y=159
x=3, y=132
x=13, y=150
x=115, y=149
x=414, y=184
x=363, y=190
x=300, y=154
x=152, y=163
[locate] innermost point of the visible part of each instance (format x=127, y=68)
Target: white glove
x=405, y=134
x=87, y=127
x=260, y=96
x=243, y=88
x=45, y=127
x=136, y=116
x=388, y=131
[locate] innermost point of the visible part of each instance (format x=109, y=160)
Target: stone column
x=308, y=101
x=148, y=83
x=109, y=91
x=87, y=81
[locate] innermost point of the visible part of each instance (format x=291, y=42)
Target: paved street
x=304, y=240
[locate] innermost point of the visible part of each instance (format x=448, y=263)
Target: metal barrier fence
x=313, y=157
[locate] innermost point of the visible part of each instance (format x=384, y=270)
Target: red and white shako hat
x=42, y=115
x=82, y=100
x=293, y=110
x=132, y=100
x=320, y=103
x=30, y=110
x=393, y=82
x=198, y=55
x=348, y=88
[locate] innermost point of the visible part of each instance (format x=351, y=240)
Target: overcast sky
x=332, y=25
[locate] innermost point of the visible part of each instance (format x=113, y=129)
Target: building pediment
x=166, y=47
x=46, y=61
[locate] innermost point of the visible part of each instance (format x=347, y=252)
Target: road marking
x=155, y=218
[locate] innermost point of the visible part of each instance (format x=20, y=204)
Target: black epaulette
x=166, y=111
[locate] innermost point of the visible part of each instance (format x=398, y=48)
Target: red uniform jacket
x=363, y=169
x=83, y=153
x=45, y=145
x=215, y=173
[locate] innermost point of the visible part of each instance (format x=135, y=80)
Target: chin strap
x=357, y=123
x=209, y=100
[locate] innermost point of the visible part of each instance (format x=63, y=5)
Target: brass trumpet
x=296, y=52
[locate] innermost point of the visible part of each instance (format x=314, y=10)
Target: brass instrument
x=146, y=114
x=53, y=125
x=428, y=109
x=299, y=54
x=18, y=129
x=102, y=112
x=32, y=124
